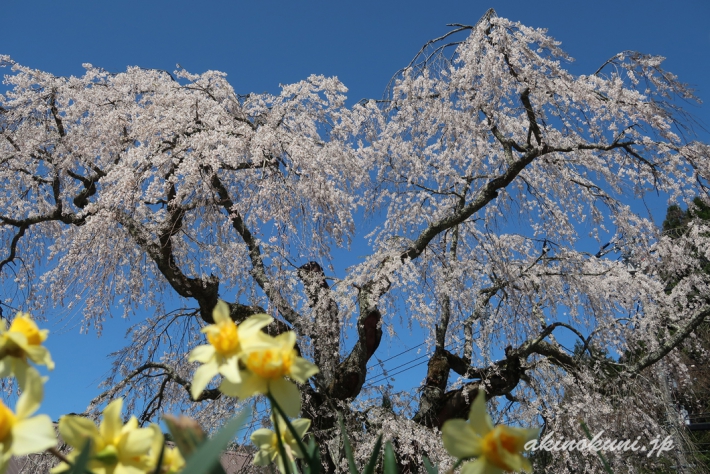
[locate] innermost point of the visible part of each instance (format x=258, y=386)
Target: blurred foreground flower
x=498, y=449
x=20, y=434
x=267, y=442
x=226, y=344
x=267, y=365
x=173, y=461
x=21, y=342
x=116, y=448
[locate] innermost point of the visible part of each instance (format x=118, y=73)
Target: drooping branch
x=258, y=269
x=669, y=344
x=13, y=246
x=204, y=290
x=168, y=373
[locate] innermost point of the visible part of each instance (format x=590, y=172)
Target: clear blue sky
x=263, y=44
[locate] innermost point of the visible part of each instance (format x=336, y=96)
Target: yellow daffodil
x=116, y=448
x=173, y=461
x=267, y=442
x=21, y=434
x=266, y=368
x=22, y=341
x=226, y=345
x=498, y=448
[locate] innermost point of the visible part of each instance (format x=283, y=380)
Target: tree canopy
x=483, y=184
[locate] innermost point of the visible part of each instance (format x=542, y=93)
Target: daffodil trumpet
x=496, y=449
x=272, y=367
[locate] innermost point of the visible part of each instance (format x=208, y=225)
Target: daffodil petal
x=513, y=461
x=33, y=435
x=136, y=443
x=286, y=395
x=220, y=313
x=301, y=426
x=5, y=367
x=460, y=439
x=263, y=437
x=32, y=394
x=202, y=377
x=202, y=354
x=523, y=435
x=253, y=324
x=249, y=386
x=75, y=430
x=157, y=444
x=230, y=370
x=22, y=371
x=480, y=466
x=478, y=416
x=262, y=458
x=286, y=339
x=19, y=339
x=40, y=355
x=121, y=469
x=111, y=423
x=302, y=370
x=5, y=460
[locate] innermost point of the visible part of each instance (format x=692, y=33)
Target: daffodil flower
x=226, y=343
x=116, y=448
x=266, y=369
x=267, y=442
x=498, y=448
x=21, y=342
x=21, y=434
x=173, y=461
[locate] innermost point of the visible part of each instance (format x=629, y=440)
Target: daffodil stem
x=282, y=450
x=55, y=452
x=293, y=431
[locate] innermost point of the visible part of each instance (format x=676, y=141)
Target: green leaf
x=79, y=466
x=372, y=463
x=205, y=460
x=390, y=460
x=430, y=469
x=313, y=466
x=348, y=447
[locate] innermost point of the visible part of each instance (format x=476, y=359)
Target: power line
x=379, y=362
x=384, y=374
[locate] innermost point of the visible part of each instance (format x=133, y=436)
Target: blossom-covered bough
x=491, y=175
